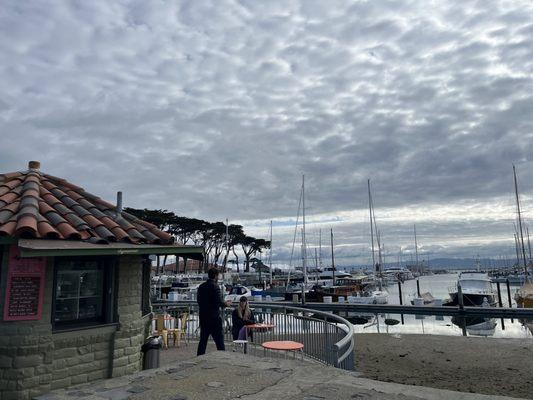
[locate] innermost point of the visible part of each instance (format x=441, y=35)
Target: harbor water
x=438, y=286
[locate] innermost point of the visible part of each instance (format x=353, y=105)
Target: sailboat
x=524, y=296
x=380, y=296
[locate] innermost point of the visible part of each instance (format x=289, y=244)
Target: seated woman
x=240, y=317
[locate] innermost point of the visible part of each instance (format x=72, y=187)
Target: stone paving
x=231, y=375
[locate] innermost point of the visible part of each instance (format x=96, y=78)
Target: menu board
x=25, y=287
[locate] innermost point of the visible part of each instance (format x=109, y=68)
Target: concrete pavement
x=229, y=375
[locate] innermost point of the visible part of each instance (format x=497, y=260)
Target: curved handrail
x=347, y=342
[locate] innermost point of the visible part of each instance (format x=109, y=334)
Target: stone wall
x=133, y=328
x=35, y=360
x=26, y=347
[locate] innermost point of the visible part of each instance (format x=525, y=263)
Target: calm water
x=438, y=285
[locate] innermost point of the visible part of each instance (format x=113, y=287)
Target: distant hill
x=456, y=263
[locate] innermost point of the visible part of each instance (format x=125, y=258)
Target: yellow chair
x=181, y=332
x=162, y=328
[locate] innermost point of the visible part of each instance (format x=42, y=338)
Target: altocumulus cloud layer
x=215, y=109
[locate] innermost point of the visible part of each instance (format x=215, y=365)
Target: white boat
x=328, y=273
x=374, y=297
x=396, y=274
x=237, y=292
x=476, y=288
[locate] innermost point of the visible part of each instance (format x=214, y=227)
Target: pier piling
x=509, y=296
x=500, y=303
x=460, y=297
x=401, y=297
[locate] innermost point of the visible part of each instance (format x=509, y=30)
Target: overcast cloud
x=214, y=109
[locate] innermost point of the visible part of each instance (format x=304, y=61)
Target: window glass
x=79, y=291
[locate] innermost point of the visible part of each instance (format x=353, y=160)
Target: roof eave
x=61, y=248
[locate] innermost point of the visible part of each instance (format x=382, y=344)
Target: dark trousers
x=213, y=328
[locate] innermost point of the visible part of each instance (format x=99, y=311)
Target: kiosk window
x=82, y=292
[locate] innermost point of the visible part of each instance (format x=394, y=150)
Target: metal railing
x=327, y=338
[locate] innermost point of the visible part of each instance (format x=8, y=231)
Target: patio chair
x=181, y=332
x=163, y=327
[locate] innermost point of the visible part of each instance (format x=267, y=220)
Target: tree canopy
x=217, y=239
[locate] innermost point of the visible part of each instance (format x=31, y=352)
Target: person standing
x=210, y=302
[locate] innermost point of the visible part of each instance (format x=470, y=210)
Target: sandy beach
x=466, y=364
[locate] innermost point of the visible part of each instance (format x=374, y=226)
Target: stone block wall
x=130, y=337
x=81, y=356
x=34, y=359
x=26, y=347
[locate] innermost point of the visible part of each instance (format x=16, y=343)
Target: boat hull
x=471, y=300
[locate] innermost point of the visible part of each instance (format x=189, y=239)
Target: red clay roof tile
x=50, y=199
x=47, y=231
x=92, y=221
x=8, y=229
x=13, y=207
x=45, y=208
x=12, y=175
x=5, y=215
x=26, y=225
x=33, y=204
x=68, y=231
x=9, y=197
x=11, y=184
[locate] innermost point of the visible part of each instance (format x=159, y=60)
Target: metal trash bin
x=151, y=349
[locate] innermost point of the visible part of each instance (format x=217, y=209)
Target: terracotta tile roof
x=41, y=206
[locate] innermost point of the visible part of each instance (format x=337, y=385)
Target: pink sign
x=25, y=287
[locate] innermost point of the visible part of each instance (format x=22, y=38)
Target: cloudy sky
x=214, y=109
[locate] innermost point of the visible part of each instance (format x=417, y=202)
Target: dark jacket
x=237, y=322
x=209, y=301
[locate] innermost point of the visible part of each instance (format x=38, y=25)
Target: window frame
x=108, y=295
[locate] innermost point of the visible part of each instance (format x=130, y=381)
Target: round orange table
x=284, y=345
x=258, y=327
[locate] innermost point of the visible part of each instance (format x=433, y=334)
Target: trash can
x=150, y=350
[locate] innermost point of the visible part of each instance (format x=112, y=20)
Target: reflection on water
x=438, y=285
x=476, y=326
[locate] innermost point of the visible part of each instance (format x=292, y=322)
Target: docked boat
x=426, y=299
x=524, y=295
x=476, y=288
x=237, y=292
x=330, y=273
x=395, y=274
x=371, y=297
x=476, y=326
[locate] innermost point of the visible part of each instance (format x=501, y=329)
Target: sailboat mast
x=316, y=266
x=416, y=252
x=371, y=225
x=517, y=251
x=528, y=243
x=332, y=258
x=270, y=254
x=320, y=248
x=304, y=251
x=520, y=221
